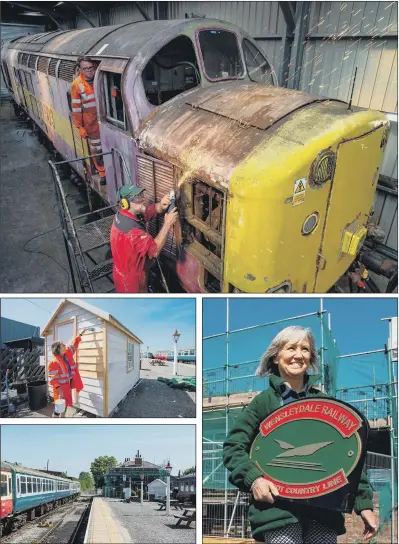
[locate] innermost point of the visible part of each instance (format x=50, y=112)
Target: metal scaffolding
x=229, y=387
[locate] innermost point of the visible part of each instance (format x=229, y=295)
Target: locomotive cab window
x=258, y=68
x=171, y=71
x=221, y=54
x=114, y=108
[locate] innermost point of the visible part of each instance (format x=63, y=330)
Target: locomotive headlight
x=322, y=169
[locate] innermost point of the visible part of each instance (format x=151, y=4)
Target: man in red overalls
x=84, y=111
x=63, y=372
x=133, y=249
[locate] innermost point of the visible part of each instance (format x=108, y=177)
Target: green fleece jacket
x=262, y=515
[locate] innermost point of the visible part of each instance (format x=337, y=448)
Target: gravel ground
x=156, y=399
x=149, y=526
x=31, y=532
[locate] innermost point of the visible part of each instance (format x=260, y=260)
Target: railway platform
x=102, y=527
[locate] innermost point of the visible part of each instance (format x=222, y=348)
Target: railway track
x=60, y=526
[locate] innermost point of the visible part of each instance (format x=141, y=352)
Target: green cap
x=129, y=190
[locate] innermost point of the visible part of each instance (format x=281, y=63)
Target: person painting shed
x=63, y=371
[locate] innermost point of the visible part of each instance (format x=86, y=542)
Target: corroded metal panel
x=259, y=106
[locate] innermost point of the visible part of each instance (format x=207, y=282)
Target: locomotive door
x=351, y=198
x=115, y=133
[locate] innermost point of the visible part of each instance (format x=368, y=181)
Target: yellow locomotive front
x=277, y=186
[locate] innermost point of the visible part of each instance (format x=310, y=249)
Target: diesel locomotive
x=26, y=493
x=275, y=186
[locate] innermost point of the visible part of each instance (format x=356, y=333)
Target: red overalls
x=59, y=377
x=84, y=114
x=132, y=248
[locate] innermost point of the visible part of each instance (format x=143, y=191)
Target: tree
x=99, y=467
x=86, y=481
x=189, y=471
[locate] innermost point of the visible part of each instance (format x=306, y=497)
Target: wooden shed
x=108, y=357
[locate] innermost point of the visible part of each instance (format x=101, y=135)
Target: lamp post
x=168, y=468
x=176, y=337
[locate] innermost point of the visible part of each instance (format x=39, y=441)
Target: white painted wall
x=120, y=381
x=91, y=398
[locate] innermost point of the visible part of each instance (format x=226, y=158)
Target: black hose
x=393, y=283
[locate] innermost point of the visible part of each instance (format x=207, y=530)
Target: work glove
x=83, y=133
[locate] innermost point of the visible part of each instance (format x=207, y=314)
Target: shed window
x=115, y=111
x=130, y=355
x=4, y=485
x=258, y=68
x=220, y=53
x=173, y=70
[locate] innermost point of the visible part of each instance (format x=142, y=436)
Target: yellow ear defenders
x=124, y=204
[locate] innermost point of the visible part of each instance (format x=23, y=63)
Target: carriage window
x=258, y=68
x=3, y=485
x=29, y=480
x=29, y=83
x=18, y=485
x=34, y=487
x=171, y=71
x=192, y=488
x=23, y=485
x=115, y=111
x=220, y=53
x=9, y=486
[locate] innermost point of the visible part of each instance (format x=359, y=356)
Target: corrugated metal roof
x=15, y=330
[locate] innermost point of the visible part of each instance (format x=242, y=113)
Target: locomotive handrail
x=65, y=205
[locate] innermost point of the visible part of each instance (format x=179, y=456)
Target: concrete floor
x=27, y=210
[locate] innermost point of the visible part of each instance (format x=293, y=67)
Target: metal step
x=95, y=234
x=101, y=269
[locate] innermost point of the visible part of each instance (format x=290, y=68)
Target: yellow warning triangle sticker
x=300, y=187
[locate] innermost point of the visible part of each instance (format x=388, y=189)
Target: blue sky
x=72, y=448
x=356, y=326
x=153, y=320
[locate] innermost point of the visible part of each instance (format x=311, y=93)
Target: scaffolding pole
x=227, y=414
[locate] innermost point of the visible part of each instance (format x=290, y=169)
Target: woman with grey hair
x=286, y=362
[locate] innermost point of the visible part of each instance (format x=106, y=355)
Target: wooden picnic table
x=173, y=502
x=189, y=516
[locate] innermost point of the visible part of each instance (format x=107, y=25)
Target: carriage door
x=114, y=133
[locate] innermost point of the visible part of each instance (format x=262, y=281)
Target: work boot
x=103, y=181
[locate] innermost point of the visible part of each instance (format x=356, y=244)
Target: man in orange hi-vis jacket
x=63, y=372
x=84, y=110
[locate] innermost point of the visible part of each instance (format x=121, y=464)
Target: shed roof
x=92, y=309
x=125, y=40
x=15, y=330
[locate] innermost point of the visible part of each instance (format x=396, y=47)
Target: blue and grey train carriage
x=33, y=493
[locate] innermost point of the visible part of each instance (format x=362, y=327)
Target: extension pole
x=322, y=347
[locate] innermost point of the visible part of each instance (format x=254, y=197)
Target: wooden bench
x=189, y=515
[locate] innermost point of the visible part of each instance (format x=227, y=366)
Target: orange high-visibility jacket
x=59, y=376
x=84, y=106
